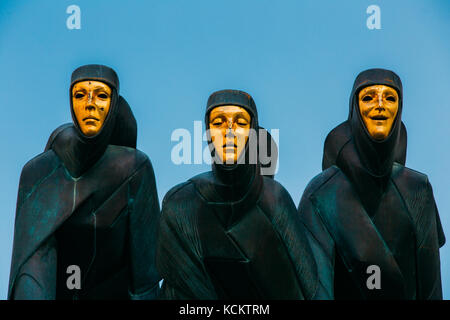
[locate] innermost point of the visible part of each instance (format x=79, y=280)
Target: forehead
x=378, y=88
x=228, y=110
x=91, y=85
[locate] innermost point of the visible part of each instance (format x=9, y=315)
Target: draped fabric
x=90, y=202
x=233, y=234
x=341, y=135
x=104, y=223
x=402, y=238
x=368, y=210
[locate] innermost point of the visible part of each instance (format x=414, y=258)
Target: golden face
x=229, y=128
x=378, y=105
x=91, y=101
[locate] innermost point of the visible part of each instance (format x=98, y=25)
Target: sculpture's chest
x=94, y=236
x=248, y=258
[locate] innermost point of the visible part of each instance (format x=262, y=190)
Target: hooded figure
x=232, y=233
x=374, y=226
x=339, y=136
x=87, y=211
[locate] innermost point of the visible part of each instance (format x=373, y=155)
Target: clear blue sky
x=298, y=59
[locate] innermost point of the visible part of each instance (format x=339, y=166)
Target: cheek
x=365, y=110
x=103, y=113
x=78, y=108
x=242, y=132
x=216, y=135
x=103, y=104
x=242, y=136
x=393, y=110
x=241, y=142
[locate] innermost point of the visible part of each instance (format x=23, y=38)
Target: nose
x=230, y=132
x=90, y=105
x=380, y=106
x=229, y=126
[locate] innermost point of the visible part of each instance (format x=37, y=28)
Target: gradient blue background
x=298, y=59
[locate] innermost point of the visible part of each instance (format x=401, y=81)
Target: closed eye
x=217, y=122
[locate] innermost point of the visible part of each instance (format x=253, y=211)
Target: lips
x=229, y=147
x=379, y=117
x=91, y=118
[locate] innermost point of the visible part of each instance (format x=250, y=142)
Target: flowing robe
x=105, y=222
x=402, y=237
x=254, y=248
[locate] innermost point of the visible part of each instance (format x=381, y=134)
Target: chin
x=229, y=160
x=379, y=135
x=90, y=133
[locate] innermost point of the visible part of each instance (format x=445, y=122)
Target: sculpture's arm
x=179, y=258
x=430, y=238
x=322, y=246
x=143, y=232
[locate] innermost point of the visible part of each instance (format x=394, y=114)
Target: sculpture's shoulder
x=275, y=192
x=415, y=190
x=409, y=178
x=180, y=209
x=203, y=179
x=123, y=162
x=63, y=132
x=38, y=168
x=321, y=180
x=178, y=196
x=417, y=193
x=129, y=157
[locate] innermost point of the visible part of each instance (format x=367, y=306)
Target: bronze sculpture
x=88, y=201
x=369, y=210
x=231, y=233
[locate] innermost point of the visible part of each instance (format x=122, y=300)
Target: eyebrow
x=243, y=115
x=390, y=91
x=95, y=89
x=236, y=115
x=213, y=117
x=369, y=91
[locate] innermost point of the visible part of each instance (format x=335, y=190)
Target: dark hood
x=364, y=160
x=79, y=152
x=124, y=133
x=376, y=156
x=104, y=74
x=340, y=135
x=235, y=180
x=125, y=128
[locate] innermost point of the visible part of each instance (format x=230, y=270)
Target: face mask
x=91, y=101
x=378, y=106
x=229, y=129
